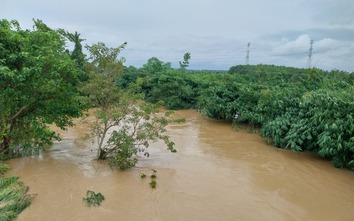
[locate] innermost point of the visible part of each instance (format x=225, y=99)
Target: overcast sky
x=215, y=32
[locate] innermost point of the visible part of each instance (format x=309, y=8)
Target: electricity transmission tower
x=248, y=53
x=310, y=54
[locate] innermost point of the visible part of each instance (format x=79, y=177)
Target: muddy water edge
x=217, y=174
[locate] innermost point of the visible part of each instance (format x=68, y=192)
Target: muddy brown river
x=218, y=174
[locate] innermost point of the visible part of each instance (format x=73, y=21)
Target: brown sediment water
x=217, y=174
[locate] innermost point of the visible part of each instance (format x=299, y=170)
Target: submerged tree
x=38, y=86
x=124, y=125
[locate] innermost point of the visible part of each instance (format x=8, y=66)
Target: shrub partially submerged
x=93, y=199
x=14, y=197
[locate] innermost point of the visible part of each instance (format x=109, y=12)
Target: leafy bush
x=14, y=197
x=300, y=109
x=325, y=126
x=93, y=199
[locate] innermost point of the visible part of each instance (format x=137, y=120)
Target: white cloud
x=297, y=47
x=327, y=45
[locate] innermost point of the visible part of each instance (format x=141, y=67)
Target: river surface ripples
x=217, y=174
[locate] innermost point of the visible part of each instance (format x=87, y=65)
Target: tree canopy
x=38, y=86
x=124, y=125
x=185, y=63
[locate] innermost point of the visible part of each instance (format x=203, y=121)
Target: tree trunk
x=102, y=154
x=4, y=146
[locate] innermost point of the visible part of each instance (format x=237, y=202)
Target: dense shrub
x=300, y=109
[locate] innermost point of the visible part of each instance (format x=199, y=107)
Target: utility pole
x=310, y=54
x=248, y=53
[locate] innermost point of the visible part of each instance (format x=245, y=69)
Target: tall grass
x=14, y=197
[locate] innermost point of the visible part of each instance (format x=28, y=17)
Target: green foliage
x=154, y=65
x=254, y=72
x=219, y=101
x=320, y=121
x=124, y=154
x=103, y=72
x=133, y=125
x=275, y=102
x=153, y=184
x=277, y=129
x=105, y=59
x=3, y=168
x=300, y=109
x=130, y=75
x=173, y=87
x=153, y=177
x=93, y=199
x=38, y=82
x=325, y=126
x=124, y=125
x=185, y=63
x=312, y=79
x=13, y=196
x=77, y=54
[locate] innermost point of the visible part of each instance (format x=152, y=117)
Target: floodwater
x=218, y=174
